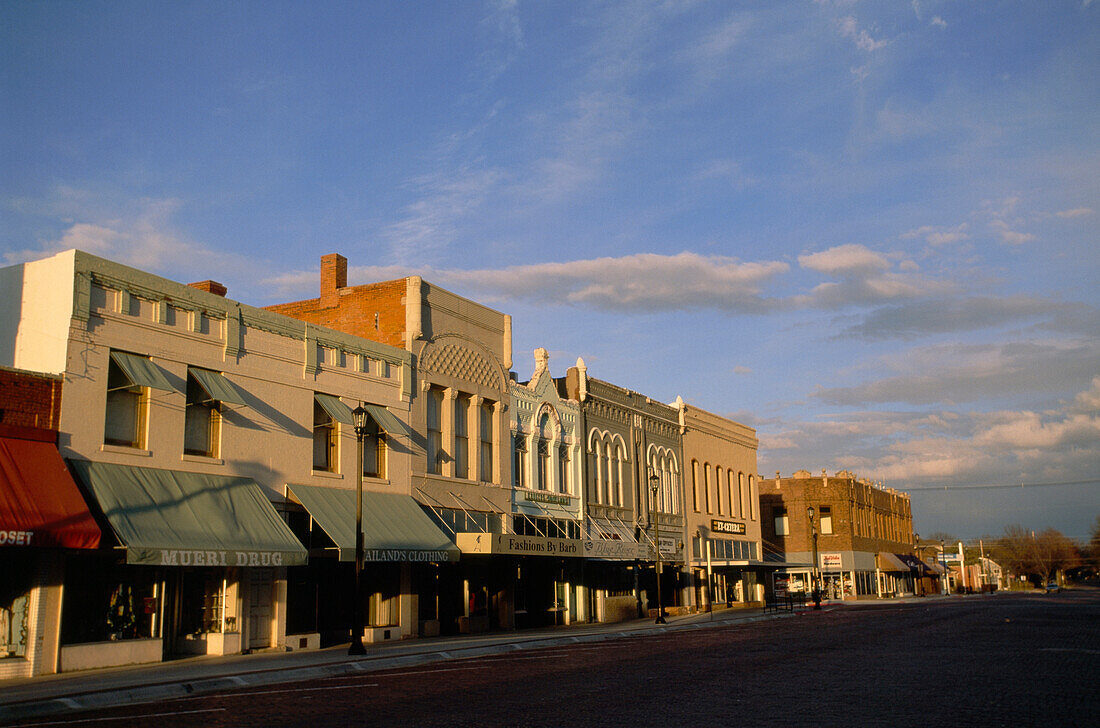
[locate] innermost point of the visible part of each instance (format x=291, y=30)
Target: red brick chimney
x=210, y=287
x=334, y=276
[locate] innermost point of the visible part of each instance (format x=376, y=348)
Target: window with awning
x=176, y=518
x=395, y=527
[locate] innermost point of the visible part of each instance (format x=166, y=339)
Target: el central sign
x=734, y=527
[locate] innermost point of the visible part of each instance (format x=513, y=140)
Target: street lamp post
x=654, y=485
x=359, y=419
x=813, y=573
x=943, y=563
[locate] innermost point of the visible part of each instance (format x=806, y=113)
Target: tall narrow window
x=202, y=421
x=486, y=451
x=782, y=525
x=325, y=440
x=545, y=479
x=435, y=430
x=743, y=494
x=706, y=487
x=519, y=460
x=545, y=475
x=695, y=485
x=754, y=497
x=563, y=469
x=375, y=448
x=596, y=469
x=826, y=515
x=718, y=489
x=462, y=436
x=127, y=409
x=615, y=484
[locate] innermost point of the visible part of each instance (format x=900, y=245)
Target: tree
x=1040, y=556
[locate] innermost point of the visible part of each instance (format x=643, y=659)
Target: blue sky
x=867, y=229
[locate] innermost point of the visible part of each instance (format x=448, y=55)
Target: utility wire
x=1001, y=486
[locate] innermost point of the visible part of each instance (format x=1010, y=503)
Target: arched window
x=752, y=499
x=742, y=494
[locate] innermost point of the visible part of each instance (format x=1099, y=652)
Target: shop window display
x=14, y=602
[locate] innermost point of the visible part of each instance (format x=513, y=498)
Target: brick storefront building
x=864, y=534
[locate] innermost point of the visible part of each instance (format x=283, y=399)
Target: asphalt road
x=1005, y=660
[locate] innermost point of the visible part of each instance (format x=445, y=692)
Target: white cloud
x=940, y=315
x=937, y=236
x=952, y=373
x=865, y=279
x=1076, y=212
x=849, y=28
x=938, y=21
x=141, y=235
x=845, y=260
x=643, y=281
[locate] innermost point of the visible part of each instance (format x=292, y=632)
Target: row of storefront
x=209, y=461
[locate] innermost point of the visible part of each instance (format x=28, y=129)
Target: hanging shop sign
x=561, y=500
x=734, y=527
x=615, y=549
x=515, y=545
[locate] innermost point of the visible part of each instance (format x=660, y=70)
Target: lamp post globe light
x=654, y=485
x=359, y=420
x=813, y=573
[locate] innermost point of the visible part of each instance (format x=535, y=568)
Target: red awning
x=40, y=504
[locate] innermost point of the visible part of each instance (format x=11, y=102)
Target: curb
x=107, y=698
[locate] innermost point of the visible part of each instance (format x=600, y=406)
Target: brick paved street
x=1016, y=660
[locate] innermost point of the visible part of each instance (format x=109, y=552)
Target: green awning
x=141, y=371
x=387, y=421
x=395, y=528
x=216, y=386
x=336, y=409
x=173, y=518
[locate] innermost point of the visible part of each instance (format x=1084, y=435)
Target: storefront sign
x=186, y=557
x=727, y=527
x=605, y=548
x=561, y=500
x=409, y=555
x=830, y=561
x=668, y=546
x=496, y=543
x=15, y=538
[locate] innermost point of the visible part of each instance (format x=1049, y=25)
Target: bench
x=785, y=603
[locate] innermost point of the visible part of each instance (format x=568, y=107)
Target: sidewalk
x=46, y=695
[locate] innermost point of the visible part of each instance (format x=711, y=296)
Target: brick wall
x=884, y=513
x=375, y=311
x=29, y=400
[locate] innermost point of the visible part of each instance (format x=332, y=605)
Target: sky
x=866, y=229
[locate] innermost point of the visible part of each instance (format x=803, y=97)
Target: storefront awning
x=174, y=518
x=387, y=421
x=890, y=562
x=336, y=409
x=141, y=372
x=395, y=527
x=216, y=386
x=40, y=504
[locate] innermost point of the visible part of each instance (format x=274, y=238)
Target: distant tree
x=1040, y=556
x=1092, y=550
